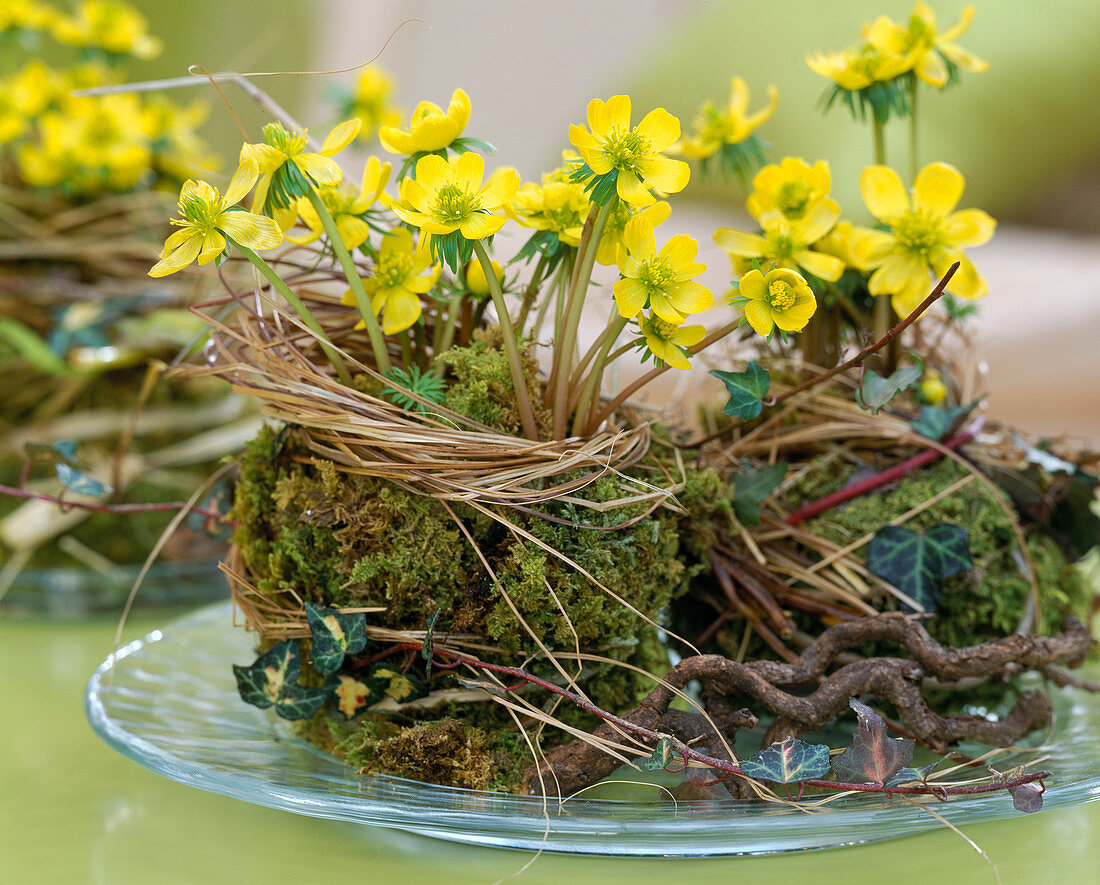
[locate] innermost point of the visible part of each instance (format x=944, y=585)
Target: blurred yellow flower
x=208, y=219
x=930, y=52
x=26, y=15
x=779, y=299
x=109, y=25
x=346, y=206
x=662, y=281
x=612, y=249
x=430, y=127
x=926, y=235
x=401, y=275
x=476, y=281
x=714, y=127
x=791, y=187
x=558, y=205
x=859, y=67
x=448, y=196
x=287, y=171
x=371, y=102
x=932, y=389
x=668, y=342
x=788, y=241
x=630, y=158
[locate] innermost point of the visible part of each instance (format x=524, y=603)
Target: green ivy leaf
x=788, y=762
x=658, y=759
x=300, y=701
x=873, y=758
x=918, y=564
x=746, y=390
x=81, y=483
x=334, y=635
x=876, y=391
x=911, y=775
x=750, y=490
x=936, y=422
x=402, y=687
x=351, y=696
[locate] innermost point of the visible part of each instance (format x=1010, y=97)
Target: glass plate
x=169, y=702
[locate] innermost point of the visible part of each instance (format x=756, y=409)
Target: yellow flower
x=178, y=151
x=109, y=25
x=371, y=102
x=26, y=15
x=346, y=207
x=287, y=170
x=781, y=298
x=662, y=281
x=668, y=341
x=714, y=127
x=791, y=187
x=788, y=241
x=209, y=219
x=857, y=68
x=558, y=205
x=932, y=389
x=612, y=249
x=477, y=282
x=447, y=196
x=430, y=128
x=401, y=275
x=631, y=158
x=931, y=53
x=926, y=235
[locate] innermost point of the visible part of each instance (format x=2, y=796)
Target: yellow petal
x=638, y=238
x=186, y=252
x=341, y=136
x=798, y=314
x=667, y=353
x=353, y=230
x=817, y=222
x=665, y=174
x=827, y=267
x=871, y=247
x=500, y=188
x=630, y=297
x=478, y=225
x=320, y=168
x=688, y=336
x=752, y=285
x=937, y=189
x=459, y=108
x=759, y=315
x=241, y=183
x=402, y=311
x=434, y=133
x=631, y=190
x=251, y=230
x=691, y=297
x=737, y=242
x=665, y=309
x=897, y=273
x=883, y=192
x=612, y=114
x=739, y=97
x=967, y=282
x=469, y=170
x=969, y=227
x=931, y=69
x=396, y=141
x=432, y=172
x=659, y=127
x=681, y=251
x=264, y=156
x=213, y=244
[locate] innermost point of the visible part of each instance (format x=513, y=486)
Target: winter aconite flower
x=476, y=281
x=662, y=281
x=557, y=206
x=447, y=201
x=934, y=56
x=347, y=208
x=401, y=275
x=791, y=187
x=714, y=127
x=612, y=249
x=287, y=171
x=625, y=161
x=430, y=127
x=781, y=299
x=371, y=102
x=109, y=25
x=210, y=220
x=668, y=342
x=788, y=241
x=926, y=235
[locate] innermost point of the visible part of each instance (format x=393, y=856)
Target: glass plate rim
x=326, y=788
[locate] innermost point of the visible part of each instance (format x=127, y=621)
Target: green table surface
x=73, y=810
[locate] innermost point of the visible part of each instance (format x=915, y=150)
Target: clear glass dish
x=169, y=702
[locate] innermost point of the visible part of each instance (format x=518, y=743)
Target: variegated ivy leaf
x=402, y=687
x=873, y=758
x=788, y=762
x=658, y=759
x=334, y=635
x=912, y=775
x=273, y=680
x=352, y=696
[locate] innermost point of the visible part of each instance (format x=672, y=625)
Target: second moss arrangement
x=469, y=561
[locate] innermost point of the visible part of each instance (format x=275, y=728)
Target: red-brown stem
x=108, y=508
x=691, y=755
x=808, y=511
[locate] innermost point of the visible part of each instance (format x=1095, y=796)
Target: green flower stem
x=563, y=352
x=612, y=328
x=594, y=381
x=511, y=348
x=446, y=339
x=406, y=347
x=913, y=166
x=303, y=312
x=553, y=296
x=531, y=292
x=880, y=140
x=362, y=301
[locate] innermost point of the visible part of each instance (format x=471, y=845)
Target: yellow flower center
x=920, y=234
x=198, y=212
x=452, y=203
x=625, y=149
x=793, y=197
x=393, y=269
x=781, y=295
x=289, y=143
x=657, y=275
x=658, y=328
